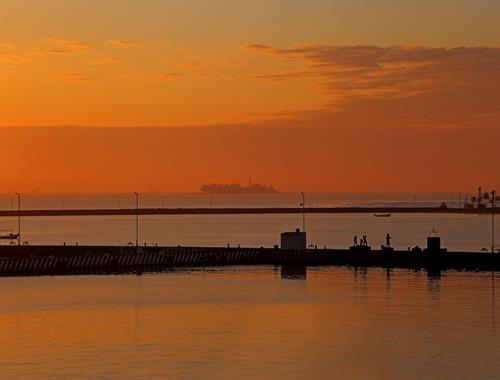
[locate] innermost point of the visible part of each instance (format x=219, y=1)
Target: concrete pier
x=246, y=211
x=64, y=260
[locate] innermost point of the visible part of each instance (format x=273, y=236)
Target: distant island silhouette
x=236, y=189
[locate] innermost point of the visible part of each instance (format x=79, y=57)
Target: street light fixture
x=136, y=219
x=303, y=205
x=493, y=200
x=18, y=218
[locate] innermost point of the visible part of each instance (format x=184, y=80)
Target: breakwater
x=65, y=260
x=247, y=211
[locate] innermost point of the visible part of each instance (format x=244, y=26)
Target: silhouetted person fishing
x=355, y=240
x=388, y=239
x=364, y=241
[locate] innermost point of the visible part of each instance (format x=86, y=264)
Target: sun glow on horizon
x=272, y=90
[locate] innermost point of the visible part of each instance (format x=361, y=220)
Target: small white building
x=294, y=241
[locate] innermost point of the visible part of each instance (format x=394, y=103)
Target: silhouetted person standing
x=355, y=240
x=388, y=239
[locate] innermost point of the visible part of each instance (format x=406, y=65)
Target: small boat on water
x=9, y=237
x=382, y=215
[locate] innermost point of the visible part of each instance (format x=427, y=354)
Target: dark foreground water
x=252, y=323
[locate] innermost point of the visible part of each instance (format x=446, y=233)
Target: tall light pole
x=303, y=204
x=493, y=199
x=18, y=218
x=136, y=219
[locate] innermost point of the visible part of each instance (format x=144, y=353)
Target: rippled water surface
x=236, y=323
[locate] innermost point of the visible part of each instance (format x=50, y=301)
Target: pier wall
x=33, y=260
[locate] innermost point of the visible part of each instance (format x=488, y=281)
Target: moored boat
x=10, y=236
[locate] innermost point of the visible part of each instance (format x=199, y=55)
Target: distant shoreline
x=246, y=211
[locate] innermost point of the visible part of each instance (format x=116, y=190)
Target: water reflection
x=252, y=322
x=434, y=288
x=360, y=276
x=493, y=302
x=388, y=274
x=294, y=272
x=434, y=274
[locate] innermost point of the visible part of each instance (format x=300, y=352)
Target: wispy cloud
x=256, y=47
x=8, y=53
x=76, y=77
x=284, y=76
x=171, y=75
x=379, y=72
x=106, y=60
x=48, y=47
x=188, y=64
x=4, y=46
x=63, y=46
x=120, y=43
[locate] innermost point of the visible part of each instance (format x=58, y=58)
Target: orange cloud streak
x=120, y=43
x=311, y=117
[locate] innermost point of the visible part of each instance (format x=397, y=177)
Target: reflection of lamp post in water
x=136, y=219
x=18, y=218
x=303, y=205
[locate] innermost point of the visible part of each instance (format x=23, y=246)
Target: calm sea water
x=159, y=200
x=251, y=323
x=459, y=232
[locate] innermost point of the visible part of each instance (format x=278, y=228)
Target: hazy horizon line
x=244, y=195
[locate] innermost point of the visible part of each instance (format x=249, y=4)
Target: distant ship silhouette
x=235, y=189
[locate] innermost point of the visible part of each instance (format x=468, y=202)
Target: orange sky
x=323, y=96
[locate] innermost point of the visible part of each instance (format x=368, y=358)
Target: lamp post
x=136, y=219
x=18, y=218
x=303, y=204
x=493, y=199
